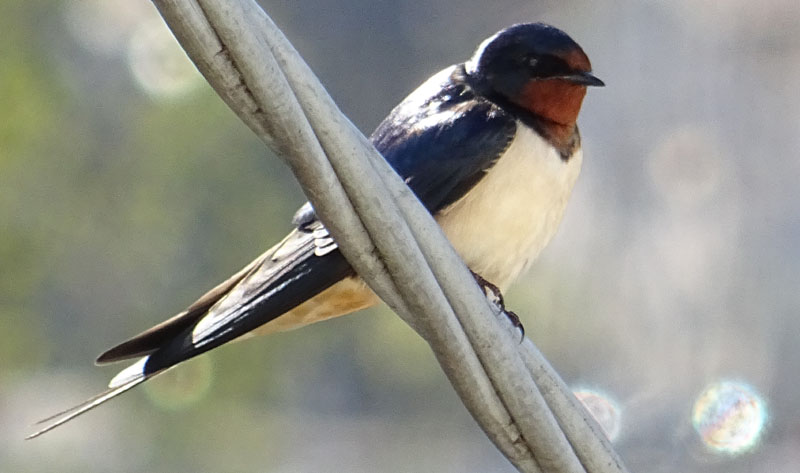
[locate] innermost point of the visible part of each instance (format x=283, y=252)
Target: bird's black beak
x=584, y=78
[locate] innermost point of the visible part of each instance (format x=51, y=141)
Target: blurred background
x=668, y=299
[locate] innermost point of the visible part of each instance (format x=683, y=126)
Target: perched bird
x=490, y=147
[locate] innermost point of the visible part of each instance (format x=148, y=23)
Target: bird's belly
x=501, y=225
x=346, y=296
x=498, y=228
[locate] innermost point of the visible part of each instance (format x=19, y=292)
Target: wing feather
x=441, y=139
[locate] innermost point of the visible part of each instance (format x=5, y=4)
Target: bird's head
x=534, y=66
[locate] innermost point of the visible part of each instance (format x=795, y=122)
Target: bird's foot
x=494, y=295
x=514, y=318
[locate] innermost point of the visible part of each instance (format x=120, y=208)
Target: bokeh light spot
x=104, y=26
x=158, y=63
x=605, y=411
x=182, y=386
x=729, y=417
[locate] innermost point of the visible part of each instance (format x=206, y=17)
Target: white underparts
x=505, y=221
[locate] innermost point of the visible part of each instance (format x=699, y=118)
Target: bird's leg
x=494, y=294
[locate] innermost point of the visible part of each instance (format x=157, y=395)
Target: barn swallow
x=489, y=146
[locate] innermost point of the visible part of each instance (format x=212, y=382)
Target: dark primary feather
x=270, y=290
x=277, y=281
x=441, y=144
x=441, y=148
x=290, y=270
x=152, y=338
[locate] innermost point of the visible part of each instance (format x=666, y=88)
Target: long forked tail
x=127, y=379
x=275, y=283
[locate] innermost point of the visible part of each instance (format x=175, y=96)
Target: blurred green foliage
x=119, y=206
